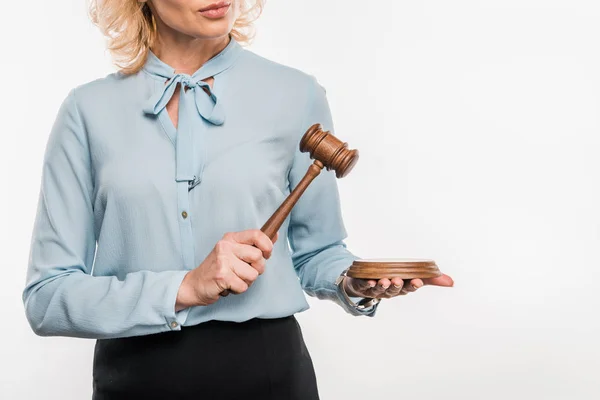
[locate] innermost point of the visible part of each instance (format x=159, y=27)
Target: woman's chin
x=211, y=28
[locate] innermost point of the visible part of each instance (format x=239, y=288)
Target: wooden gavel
x=328, y=151
x=333, y=154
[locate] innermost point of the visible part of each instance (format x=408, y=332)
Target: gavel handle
x=273, y=224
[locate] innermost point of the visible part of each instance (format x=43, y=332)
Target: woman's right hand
x=234, y=264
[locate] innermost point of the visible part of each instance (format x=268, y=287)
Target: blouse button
x=184, y=214
x=173, y=324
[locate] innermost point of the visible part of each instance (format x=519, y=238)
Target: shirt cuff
x=175, y=320
x=349, y=303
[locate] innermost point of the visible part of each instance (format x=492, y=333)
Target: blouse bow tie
x=198, y=99
x=205, y=100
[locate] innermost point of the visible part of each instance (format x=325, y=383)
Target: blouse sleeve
x=61, y=297
x=316, y=230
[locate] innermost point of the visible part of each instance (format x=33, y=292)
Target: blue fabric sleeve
x=62, y=297
x=316, y=230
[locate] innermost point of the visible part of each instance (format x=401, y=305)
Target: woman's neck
x=184, y=53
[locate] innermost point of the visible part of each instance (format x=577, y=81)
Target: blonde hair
x=130, y=28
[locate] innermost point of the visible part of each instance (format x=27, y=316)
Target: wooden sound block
x=405, y=268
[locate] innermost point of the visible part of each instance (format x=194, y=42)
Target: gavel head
x=329, y=150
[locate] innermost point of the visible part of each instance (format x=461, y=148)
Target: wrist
x=347, y=287
x=185, y=294
x=360, y=301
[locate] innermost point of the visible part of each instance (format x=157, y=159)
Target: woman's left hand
x=386, y=288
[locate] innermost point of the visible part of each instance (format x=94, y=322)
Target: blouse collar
x=217, y=64
x=206, y=102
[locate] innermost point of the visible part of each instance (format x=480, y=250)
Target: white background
x=479, y=132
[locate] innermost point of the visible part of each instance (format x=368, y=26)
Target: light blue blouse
x=129, y=204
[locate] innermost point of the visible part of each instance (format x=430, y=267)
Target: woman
x=154, y=181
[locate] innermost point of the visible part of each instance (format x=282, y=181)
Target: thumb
x=443, y=280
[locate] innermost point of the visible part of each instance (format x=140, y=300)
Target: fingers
x=392, y=287
x=237, y=285
x=253, y=237
x=358, y=287
x=395, y=288
x=250, y=255
x=380, y=288
x=413, y=285
x=245, y=261
x=244, y=271
x=406, y=288
x=241, y=258
x=233, y=276
x=397, y=283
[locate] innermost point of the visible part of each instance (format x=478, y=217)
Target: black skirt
x=258, y=359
